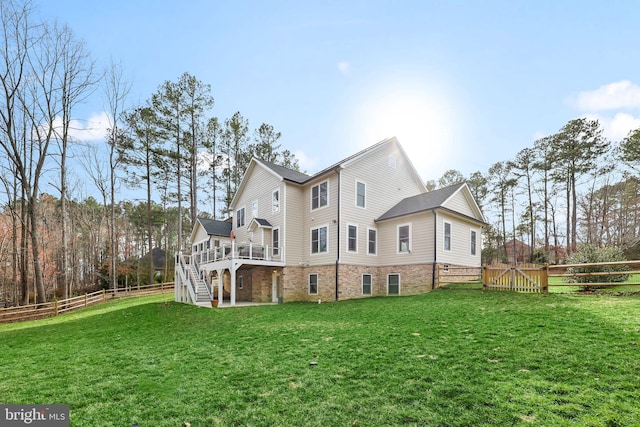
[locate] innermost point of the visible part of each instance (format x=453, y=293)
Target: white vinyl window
x=404, y=239
x=319, y=240
x=360, y=194
x=352, y=238
x=473, y=242
x=372, y=241
x=313, y=284
x=447, y=236
x=366, y=284
x=393, y=284
x=275, y=241
x=240, y=220
x=275, y=201
x=320, y=195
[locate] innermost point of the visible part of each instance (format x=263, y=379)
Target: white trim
x=273, y=207
x=311, y=240
x=444, y=235
x=399, y=283
x=473, y=246
x=273, y=246
x=309, y=283
x=356, y=194
x=376, y=242
x=244, y=223
x=370, y=283
x=348, y=237
x=254, y=212
x=311, y=196
x=408, y=251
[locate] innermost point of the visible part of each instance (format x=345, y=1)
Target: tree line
x=60, y=242
x=569, y=188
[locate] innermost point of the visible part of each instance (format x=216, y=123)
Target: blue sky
x=462, y=84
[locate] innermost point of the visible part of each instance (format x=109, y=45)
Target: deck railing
x=249, y=251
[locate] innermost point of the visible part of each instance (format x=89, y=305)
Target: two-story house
x=365, y=226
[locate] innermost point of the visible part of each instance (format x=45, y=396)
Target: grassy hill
x=455, y=357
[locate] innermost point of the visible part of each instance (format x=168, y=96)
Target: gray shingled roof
x=301, y=178
x=421, y=202
x=286, y=173
x=262, y=222
x=215, y=227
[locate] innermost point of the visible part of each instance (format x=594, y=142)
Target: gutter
x=435, y=249
x=337, y=170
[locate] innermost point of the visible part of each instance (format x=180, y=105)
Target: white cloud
x=344, y=67
x=617, y=127
x=92, y=129
x=622, y=94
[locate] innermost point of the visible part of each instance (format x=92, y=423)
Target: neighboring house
x=517, y=252
x=363, y=227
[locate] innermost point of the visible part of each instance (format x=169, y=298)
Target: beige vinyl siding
x=260, y=186
x=421, y=240
x=459, y=203
x=293, y=233
x=320, y=217
x=385, y=187
x=200, y=235
x=460, y=253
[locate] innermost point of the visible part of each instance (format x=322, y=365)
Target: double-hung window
x=319, y=240
x=447, y=236
x=275, y=241
x=372, y=245
x=366, y=284
x=313, y=284
x=319, y=195
x=275, y=201
x=240, y=218
x=352, y=238
x=473, y=242
x=360, y=194
x=393, y=284
x=404, y=239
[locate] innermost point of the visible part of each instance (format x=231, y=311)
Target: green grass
x=633, y=278
x=453, y=357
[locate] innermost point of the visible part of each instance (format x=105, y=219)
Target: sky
x=461, y=84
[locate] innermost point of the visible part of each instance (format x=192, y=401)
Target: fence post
x=85, y=299
x=55, y=313
x=544, y=279
x=484, y=276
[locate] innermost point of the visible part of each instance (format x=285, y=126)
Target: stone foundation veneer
x=414, y=279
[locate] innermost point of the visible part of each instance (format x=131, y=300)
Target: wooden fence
x=522, y=278
x=54, y=308
x=535, y=277
x=447, y=274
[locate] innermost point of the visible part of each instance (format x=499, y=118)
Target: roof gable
x=215, y=227
x=286, y=173
x=429, y=201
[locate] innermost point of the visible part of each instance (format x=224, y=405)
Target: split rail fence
x=54, y=308
x=535, y=277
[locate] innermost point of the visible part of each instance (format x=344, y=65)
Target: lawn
x=453, y=357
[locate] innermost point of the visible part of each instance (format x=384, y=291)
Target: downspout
x=337, y=170
x=435, y=249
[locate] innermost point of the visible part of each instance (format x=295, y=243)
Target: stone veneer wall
x=414, y=279
x=295, y=283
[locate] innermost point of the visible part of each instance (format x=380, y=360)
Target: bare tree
x=116, y=90
x=76, y=82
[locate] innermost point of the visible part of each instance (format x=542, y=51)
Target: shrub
x=588, y=254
